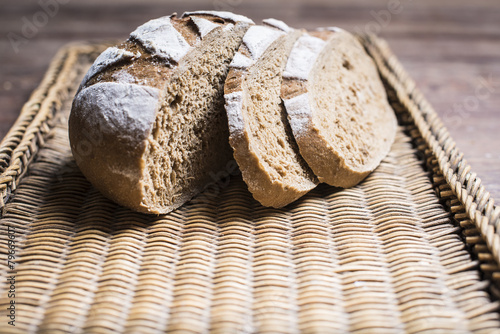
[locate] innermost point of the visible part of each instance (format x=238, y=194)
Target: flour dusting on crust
x=241, y=61
x=277, y=24
x=303, y=56
x=123, y=76
x=161, y=38
x=223, y=15
x=334, y=29
x=300, y=114
x=107, y=58
x=204, y=26
x=258, y=38
x=123, y=108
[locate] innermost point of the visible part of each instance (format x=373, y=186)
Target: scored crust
x=114, y=122
x=337, y=107
x=260, y=136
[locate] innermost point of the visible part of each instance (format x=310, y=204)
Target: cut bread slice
x=260, y=136
x=337, y=107
x=148, y=126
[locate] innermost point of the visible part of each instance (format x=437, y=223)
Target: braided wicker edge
x=34, y=123
x=452, y=174
x=28, y=134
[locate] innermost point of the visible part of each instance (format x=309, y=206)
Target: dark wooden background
x=450, y=47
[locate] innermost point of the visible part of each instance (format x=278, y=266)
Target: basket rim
x=465, y=185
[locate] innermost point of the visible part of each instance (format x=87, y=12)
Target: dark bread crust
x=113, y=117
x=148, y=66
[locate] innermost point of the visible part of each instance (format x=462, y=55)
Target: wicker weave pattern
x=383, y=257
x=463, y=183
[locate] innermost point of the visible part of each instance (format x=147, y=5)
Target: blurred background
x=451, y=48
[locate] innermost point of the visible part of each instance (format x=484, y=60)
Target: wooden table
x=451, y=48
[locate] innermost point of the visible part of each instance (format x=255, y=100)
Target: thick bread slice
x=148, y=126
x=261, y=138
x=337, y=107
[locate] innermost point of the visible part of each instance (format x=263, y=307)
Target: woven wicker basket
x=413, y=248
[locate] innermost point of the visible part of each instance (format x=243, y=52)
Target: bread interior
x=270, y=134
x=349, y=102
x=189, y=139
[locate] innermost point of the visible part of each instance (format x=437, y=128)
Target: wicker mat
x=414, y=248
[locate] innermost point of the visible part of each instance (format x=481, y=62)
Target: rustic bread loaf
x=337, y=107
x=148, y=126
x=261, y=138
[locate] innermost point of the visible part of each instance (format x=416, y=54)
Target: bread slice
x=261, y=138
x=148, y=126
x=337, y=107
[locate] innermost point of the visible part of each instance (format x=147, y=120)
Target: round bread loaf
x=260, y=135
x=147, y=125
x=337, y=107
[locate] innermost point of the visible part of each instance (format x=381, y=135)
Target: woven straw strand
x=87, y=252
x=275, y=290
x=364, y=271
x=231, y=310
x=117, y=284
x=45, y=249
x=413, y=258
x=193, y=280
x=153, y=297
x=316, y=263
x=27, y=135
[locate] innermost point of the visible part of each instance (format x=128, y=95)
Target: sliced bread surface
x=337, y=107
x=148, y=125
x=260, y=136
